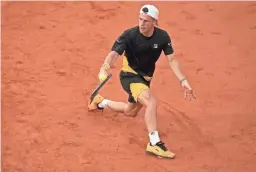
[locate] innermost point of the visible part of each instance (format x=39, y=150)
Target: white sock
x=103, y=104
x=154, y=137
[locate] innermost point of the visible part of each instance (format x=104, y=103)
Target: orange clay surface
x=51, y=54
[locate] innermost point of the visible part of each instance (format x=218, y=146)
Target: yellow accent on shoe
x=159, y=150
x=93, y=104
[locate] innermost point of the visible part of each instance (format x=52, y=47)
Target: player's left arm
x=175, y=67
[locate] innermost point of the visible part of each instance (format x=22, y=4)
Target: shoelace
x=161, y=145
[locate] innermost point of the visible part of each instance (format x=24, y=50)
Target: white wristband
x=183, y=80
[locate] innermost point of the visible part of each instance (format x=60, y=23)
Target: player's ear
x=156, y=23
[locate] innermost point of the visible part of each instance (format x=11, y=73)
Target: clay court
x=51, y=55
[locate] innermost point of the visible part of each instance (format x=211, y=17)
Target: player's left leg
x=155, y=146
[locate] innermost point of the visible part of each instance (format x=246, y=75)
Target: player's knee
x=131, y=113
x=146, y=98
x=152, y=100
x=130, y=110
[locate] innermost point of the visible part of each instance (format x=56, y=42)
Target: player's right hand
x=102, y=75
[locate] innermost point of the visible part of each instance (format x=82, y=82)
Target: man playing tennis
x=142, y=46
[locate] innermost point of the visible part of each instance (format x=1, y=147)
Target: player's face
x=146, y=23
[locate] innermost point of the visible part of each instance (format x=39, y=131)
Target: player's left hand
x=188, y=91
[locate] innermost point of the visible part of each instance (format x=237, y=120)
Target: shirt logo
x=155, y=46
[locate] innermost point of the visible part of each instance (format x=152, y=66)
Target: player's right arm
x=117, y=50
x=108, y=63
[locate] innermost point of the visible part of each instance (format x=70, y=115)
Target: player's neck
x=149, y=34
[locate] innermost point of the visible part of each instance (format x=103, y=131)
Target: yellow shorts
x=133, y=84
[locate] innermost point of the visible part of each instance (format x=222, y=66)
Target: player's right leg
x=129, y=109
